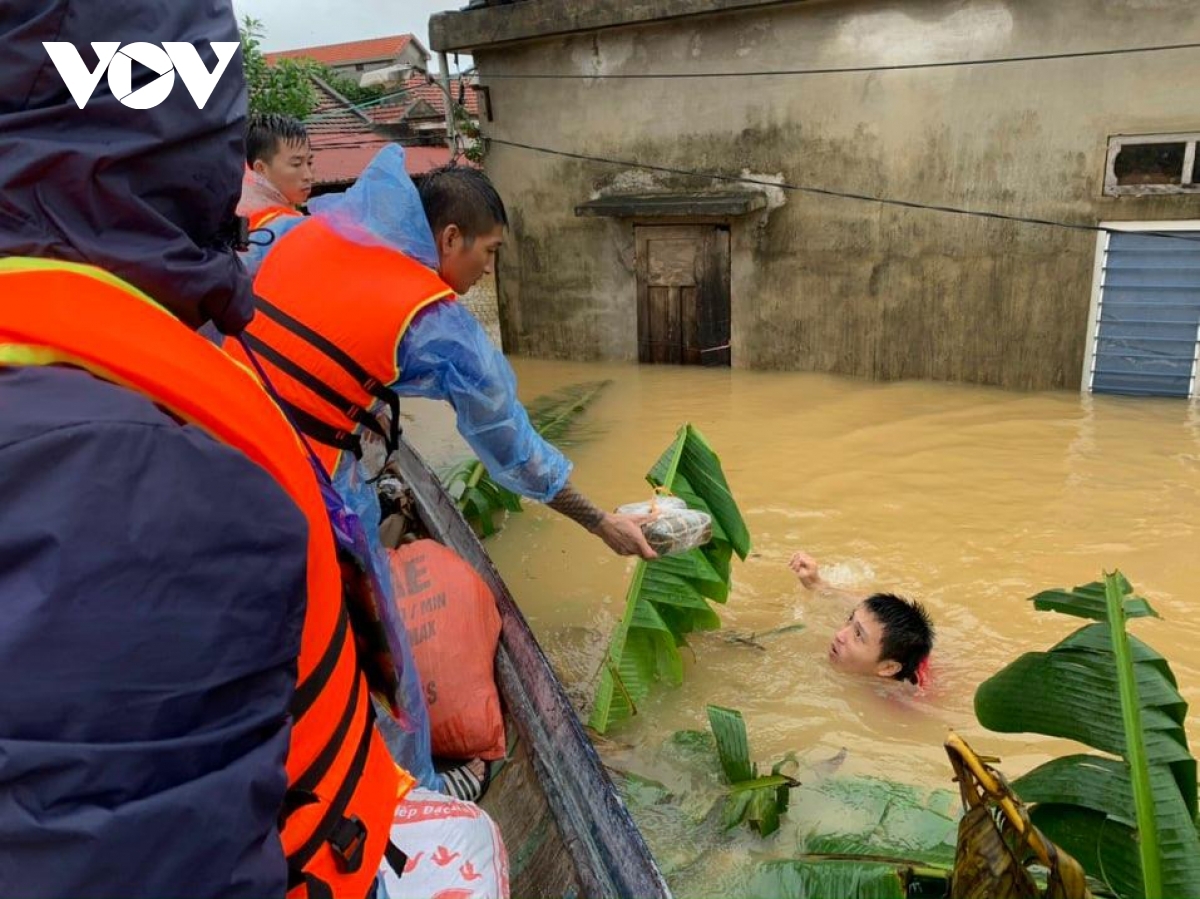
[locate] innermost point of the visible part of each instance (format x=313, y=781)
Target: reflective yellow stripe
x=266, y=220
x=15, y=265
x=429, y=301
x=23, y=354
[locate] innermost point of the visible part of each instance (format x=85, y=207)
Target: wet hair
x=461, y=195
x=907, y=632
x=266, y=131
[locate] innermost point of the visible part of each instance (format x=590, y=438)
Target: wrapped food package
x=675, y=529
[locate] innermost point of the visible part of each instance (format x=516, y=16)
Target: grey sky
x=306, y=23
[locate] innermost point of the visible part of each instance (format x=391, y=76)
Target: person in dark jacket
x=152, y=579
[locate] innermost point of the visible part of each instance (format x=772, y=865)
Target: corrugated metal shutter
x=1148, y=316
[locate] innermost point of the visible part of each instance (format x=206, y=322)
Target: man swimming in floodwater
x=884, y=636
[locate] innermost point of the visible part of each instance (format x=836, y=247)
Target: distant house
x=399, y=55
x=634, y=259
x=346, y=136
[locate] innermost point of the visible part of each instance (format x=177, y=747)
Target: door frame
x=716, y=222
x=1102, y=240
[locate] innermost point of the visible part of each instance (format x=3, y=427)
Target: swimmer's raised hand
x=806, y=569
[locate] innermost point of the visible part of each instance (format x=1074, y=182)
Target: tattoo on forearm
x=577, y=507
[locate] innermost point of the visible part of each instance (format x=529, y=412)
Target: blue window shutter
x=1148, y=317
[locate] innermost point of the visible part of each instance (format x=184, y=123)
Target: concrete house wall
x=821, y=283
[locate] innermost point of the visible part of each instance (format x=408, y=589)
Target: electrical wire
x=840, y=70
x=458, y=149
x=827, y=192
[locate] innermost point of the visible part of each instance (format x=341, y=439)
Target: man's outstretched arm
x=622, y=533
x=446, y=355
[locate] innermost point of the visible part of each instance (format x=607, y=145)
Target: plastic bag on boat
x=453, y=627
x=453, y=851
x=406, y=734
x=675, y=528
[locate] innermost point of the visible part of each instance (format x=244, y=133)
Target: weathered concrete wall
x=838, y=285
x=481, y=300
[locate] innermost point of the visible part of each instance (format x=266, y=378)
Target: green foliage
x=859, y=830
x=479, y=498
x=469, y=129
x=821, y=878
x=759, y=801
x=1131, y=820
x=345, y=85
x=669, y=597
x=557, y=418
x=284, y=88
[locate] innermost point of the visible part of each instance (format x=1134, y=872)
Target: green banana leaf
x=1088, y=601
x=824, y=878
x=668, y=598
x=556, y=417
x=1130, y=821
x=1093, y=810
x=872, y=817
x=733, y=746
x=860, y=822
x=757, y=800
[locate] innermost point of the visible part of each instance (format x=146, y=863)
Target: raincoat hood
x=145, y=194
x=382, y=208
x=258, y=193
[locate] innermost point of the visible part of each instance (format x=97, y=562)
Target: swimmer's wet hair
x=907, y=632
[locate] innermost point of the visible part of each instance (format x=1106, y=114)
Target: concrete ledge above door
x=673, y=205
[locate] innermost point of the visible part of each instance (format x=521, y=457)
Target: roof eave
x=476, y=29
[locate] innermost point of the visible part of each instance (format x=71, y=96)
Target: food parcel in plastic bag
x=453, y=627
x=674, y=528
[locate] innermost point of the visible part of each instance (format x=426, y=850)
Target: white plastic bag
x=454, y=850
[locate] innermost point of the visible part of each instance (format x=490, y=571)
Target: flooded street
x=969, y=499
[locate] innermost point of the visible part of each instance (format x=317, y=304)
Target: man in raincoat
x=357, y=308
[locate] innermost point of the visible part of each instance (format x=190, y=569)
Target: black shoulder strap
x=346, y=836
x=309, y=424
x=396, y=858
x=339, y=356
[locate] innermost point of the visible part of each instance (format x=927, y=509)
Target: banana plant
x=759, y=801
x=669, y=597
x=556, y=417
x=1129, y=816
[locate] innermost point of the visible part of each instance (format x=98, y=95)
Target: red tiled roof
x=348, y=52
x=418, y=88
x=344, y=163
x=343, y=142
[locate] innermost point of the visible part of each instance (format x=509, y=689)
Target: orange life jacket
x=263, y=217
x=343, y=785
x=331, y=314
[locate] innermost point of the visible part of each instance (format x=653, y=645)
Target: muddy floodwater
x=970, y=499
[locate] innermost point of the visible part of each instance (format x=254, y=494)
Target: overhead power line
x=839, y=70
x=825, y=192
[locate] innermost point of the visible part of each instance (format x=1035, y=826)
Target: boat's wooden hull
x=566, y=830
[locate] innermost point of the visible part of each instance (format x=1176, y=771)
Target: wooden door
x=683, y=294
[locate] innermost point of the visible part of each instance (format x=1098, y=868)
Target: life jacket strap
x=344, y=360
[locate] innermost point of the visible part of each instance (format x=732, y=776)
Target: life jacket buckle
x=348, y=840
